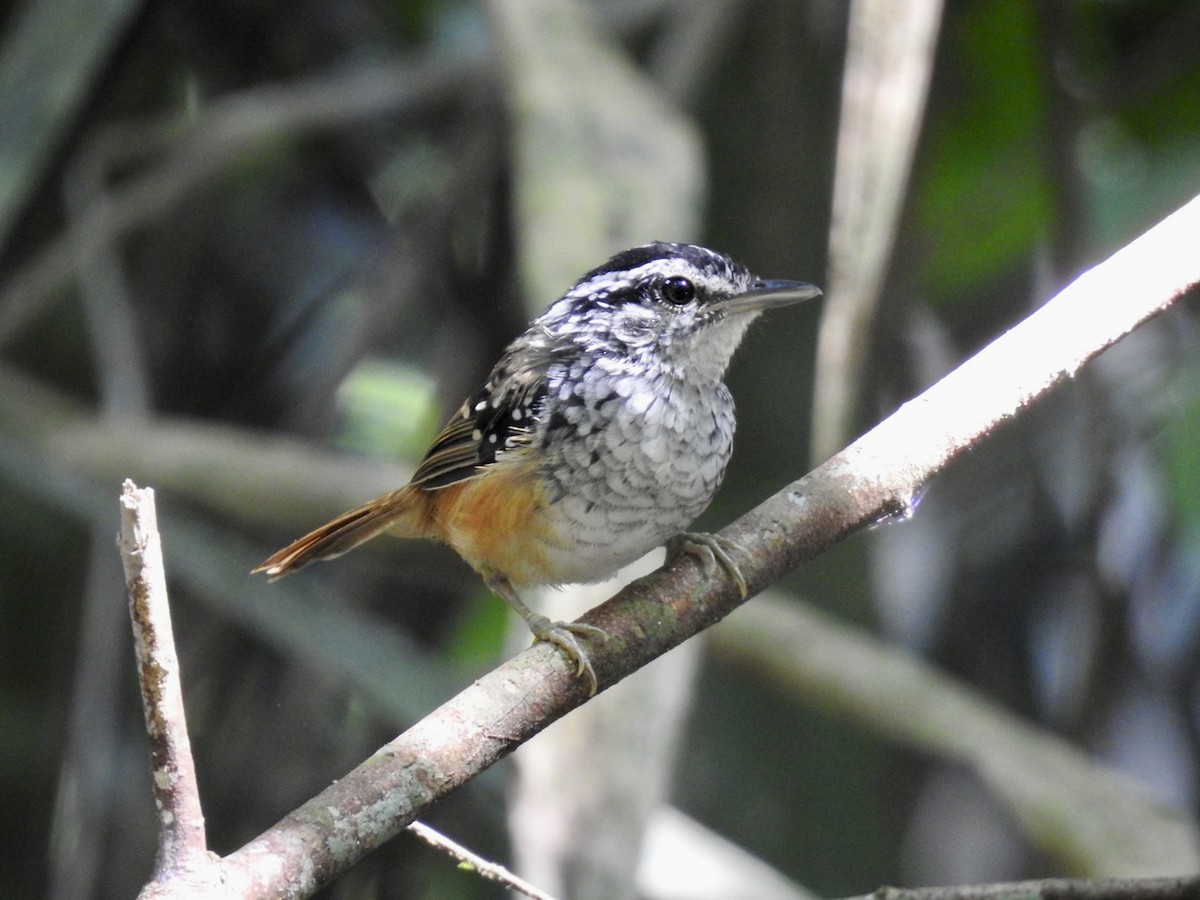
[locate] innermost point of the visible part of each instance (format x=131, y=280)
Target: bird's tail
x=399, y=512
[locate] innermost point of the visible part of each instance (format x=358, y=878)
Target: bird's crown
x=664, y=275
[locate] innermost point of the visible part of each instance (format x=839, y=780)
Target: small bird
x=603, y=432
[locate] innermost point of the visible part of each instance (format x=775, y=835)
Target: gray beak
x=770, y=294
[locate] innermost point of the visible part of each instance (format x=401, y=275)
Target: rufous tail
x=398, y=512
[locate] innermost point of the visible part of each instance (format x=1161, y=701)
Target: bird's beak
x=770, y=294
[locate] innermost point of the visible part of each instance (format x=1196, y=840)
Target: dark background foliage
x=344, y=279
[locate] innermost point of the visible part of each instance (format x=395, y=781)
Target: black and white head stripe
x=627, y=275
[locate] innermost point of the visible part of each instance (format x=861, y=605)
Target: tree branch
x=877, y=477
x=182, y=855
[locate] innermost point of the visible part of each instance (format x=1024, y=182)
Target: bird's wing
x=490, y=428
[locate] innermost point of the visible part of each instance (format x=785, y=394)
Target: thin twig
x=182, y=851
x=467, y=858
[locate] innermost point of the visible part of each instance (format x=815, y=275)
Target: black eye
x=678, y=291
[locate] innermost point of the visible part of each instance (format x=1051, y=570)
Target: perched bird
x=603, y=432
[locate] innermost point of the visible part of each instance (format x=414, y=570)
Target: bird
x=602, y=433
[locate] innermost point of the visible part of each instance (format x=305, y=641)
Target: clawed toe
x=713, y=550
x=562, y=634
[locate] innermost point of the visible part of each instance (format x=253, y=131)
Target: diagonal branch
x=875, y=478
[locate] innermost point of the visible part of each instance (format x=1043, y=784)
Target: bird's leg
x=561, y=634
x=713, y=550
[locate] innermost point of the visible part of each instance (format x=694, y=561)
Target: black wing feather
x=485, y=427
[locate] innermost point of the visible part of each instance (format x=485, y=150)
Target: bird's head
x=679, y=306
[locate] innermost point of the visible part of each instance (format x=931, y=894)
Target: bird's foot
x=713, y=550
x=563, y=634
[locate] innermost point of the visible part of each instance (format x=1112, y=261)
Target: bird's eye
x=678, y=291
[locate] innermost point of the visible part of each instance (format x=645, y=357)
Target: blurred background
x=252, y=253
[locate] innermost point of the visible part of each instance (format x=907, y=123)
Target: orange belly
x=495, y=522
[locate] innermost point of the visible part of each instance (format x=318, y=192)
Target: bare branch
x=182, y=851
